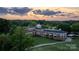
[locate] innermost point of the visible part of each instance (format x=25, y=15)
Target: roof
x=38, y=26
x=57, y=31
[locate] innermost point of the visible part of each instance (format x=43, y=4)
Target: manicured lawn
x=42, y=40
x=71, y=46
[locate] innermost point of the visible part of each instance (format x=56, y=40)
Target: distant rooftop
x=58, y=31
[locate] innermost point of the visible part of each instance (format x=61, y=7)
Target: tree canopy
x=64, y=27
x=75, y=27
x=4, y=26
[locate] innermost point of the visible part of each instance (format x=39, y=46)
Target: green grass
x=70, y=46
x=42, y=40
x=57, y=47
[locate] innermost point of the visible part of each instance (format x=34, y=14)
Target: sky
x=40, y=13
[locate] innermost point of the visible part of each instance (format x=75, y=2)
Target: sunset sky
x=40, y=13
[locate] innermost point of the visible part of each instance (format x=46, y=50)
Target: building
x=50, y=33
x=38, y=26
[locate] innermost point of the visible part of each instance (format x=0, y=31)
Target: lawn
x=42, y=40
x=67, y=46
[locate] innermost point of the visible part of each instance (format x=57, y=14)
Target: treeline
x=69, y=26
x=43, y=22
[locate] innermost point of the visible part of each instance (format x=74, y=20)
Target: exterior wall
x=60, y=36
x=54, y=35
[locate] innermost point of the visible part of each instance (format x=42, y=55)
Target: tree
x=5, y=42
x=20, y=40
x=64, y=27
x=75, y=27
x=4, y=26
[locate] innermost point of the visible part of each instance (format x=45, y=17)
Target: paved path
x=40, y=45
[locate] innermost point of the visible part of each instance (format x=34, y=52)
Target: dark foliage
x=4, y=26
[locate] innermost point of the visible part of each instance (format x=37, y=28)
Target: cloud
x=46, y=12
x=3, y=11
x=19, y=10
x=14, y=10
